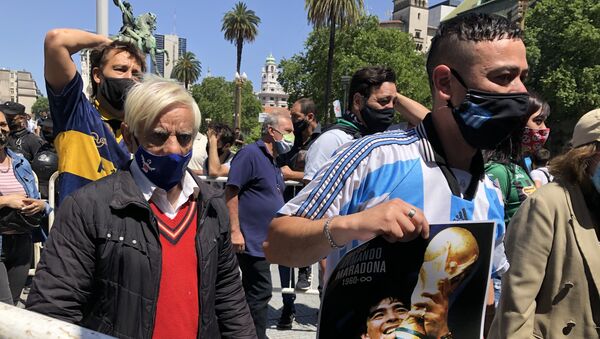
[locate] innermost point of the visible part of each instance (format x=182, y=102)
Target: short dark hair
x=365, y=79
x=467, y=28
x=307, y=105
x=99, y=56
x=224, y=132
x=541, y=157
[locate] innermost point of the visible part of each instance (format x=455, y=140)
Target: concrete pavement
x=307, y=306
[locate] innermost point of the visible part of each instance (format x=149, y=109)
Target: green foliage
x=240, y=25
x=187, y=69
x=332, y=13
x=357, y=46
x=40, y=105
x=214, y=96
x=322, y=13
x=563, y=45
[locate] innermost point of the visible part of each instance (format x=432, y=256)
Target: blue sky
x=282, y=31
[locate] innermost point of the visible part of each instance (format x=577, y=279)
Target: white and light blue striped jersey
x=395, y=164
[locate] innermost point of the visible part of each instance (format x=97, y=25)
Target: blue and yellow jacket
x=86, y=145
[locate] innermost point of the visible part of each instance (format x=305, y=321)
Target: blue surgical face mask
x=164, y=171
x=285, y=144
x=596, y=178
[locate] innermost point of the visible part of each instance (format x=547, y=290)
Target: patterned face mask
x=534, y=139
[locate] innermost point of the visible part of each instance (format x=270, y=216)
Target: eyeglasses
x=278, y=131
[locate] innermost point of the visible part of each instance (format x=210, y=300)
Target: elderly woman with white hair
x=145, y=252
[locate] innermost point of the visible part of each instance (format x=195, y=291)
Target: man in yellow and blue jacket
x=88, y=137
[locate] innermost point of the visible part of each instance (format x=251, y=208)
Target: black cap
x=12, y=108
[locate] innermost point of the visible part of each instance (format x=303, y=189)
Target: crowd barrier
x=285, y=289
x=17, y=323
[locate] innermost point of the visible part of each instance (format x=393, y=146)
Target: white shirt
x=542, y=175
x=388, y=165
x=159, y=195
x=199, y=154
x=322, y=150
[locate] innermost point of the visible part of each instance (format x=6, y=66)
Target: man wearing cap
x=20, y=140
x=88, y=136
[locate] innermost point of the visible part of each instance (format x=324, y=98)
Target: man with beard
x=20, y=139
x=306, y=131
x=395, y=183
x=88, y=135
x=371, y=110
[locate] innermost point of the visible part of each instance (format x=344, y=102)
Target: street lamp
x=345, y=80
x=239, y=83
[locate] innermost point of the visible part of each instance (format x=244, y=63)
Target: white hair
x=147, y=100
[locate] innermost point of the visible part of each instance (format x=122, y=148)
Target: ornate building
x=271, y=93
x=416, y=18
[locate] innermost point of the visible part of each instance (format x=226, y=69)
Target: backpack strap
x=346, y=127
x=545, y=171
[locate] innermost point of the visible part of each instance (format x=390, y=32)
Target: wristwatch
x=447, y=336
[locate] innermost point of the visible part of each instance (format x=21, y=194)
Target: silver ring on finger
x=411, y=213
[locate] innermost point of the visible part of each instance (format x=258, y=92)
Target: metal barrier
x=17, y=323
x=314, y=282
x=37, y=247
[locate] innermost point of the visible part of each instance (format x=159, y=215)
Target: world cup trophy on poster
x=448, y=258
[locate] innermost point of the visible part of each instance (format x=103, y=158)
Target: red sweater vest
x=178, y=308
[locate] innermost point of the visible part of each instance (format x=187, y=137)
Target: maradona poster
x=418, y=289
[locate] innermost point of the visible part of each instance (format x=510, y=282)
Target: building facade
x=416, y=18
x=271, y=92
x=175, y=46
x=86, y=74
x=18, y=86
x=513, y=10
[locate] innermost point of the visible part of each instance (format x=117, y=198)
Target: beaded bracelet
x=328, y=234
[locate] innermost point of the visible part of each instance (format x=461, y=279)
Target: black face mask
x=377, y=120
x=485, y=119
x=114, y=91
x=48, y=136
x=15, y=125
x=300, y=126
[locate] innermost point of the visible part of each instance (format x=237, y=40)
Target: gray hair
x=151, y=97
x=273, y=119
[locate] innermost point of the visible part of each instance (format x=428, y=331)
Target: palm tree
x=187, y=69
x=240, y=24
x=332, y=13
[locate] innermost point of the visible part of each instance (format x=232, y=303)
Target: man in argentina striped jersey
x=397, y=182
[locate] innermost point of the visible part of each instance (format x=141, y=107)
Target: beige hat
x=587, y=129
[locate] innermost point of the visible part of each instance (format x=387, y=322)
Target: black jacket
x=101, y=266
x=25, y=143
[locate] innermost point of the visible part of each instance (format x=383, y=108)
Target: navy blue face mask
x=485, y=119
x=165, y=171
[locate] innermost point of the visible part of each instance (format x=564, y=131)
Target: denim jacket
x=26, y=178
